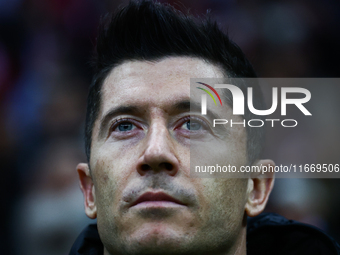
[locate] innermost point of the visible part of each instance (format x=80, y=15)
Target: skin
x=148, y=150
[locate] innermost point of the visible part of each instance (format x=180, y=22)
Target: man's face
x=140, y=164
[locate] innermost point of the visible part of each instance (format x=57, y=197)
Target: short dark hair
x=146, y=30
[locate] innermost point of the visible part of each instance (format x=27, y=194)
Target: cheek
x=113, y=162
x=223, y=201
x=110, y=177
x=104, y=183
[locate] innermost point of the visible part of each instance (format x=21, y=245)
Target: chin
x=157, y=239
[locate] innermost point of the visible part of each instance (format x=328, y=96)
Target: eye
x=192, y=125
x=125, y=126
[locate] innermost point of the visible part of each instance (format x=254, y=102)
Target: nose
x=159, y=152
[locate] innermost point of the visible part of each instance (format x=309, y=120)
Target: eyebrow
x=119, y=110
x=181, y=106
x=196, y=107
x=193, y=107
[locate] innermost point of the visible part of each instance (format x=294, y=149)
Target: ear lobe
x=259, y=188
x=87, y=187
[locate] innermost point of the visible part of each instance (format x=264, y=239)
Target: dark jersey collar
x=267, y=234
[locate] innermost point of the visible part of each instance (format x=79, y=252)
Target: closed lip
x=156, y=197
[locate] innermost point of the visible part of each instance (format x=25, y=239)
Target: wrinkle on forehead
x=137, y=76
x=165, y=70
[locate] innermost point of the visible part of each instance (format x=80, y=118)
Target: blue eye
x=192, y=125
x=125, y=126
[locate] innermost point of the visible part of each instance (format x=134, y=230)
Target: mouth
x=156, y=199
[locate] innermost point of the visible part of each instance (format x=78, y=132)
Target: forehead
x=154, y=83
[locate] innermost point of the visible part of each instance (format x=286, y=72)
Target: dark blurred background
x=45, y=48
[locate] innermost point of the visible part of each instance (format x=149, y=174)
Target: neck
x=242, y=244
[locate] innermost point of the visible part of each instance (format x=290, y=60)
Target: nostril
x=145, y=167
x=168, y=166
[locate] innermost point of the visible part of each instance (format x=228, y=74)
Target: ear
x=87, y=187
x=259, y=187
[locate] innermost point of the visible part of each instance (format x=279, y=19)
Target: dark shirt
x=267, y=234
